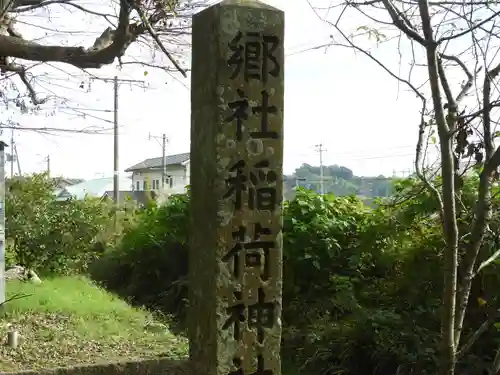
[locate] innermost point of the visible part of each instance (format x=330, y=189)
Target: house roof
x=96, y=187
x=157, y=162
x=62, y=181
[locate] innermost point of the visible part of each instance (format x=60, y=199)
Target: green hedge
x=362, y=285
x=51, y=236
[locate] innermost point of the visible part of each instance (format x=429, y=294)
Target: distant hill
x=338, y=180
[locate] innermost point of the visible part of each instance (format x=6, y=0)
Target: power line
x=374, y=157
x=45, y=129
x=156, y=138
x=389, y=156
x=309, y=49
x=364, y=150
x=90, y=109
x=356, y=153
x=116, y=81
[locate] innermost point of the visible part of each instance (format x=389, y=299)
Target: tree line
x=338, y=180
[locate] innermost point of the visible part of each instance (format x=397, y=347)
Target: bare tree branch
x=418, y=160
x=450, y=227
x=467, y=132
x=402, y=25
x=155, y=66
x=41, y=4
x=477, y=334
x=158, y=41
x=15, y=297
x=470, y=77
x=80, y=57
x=468, y=31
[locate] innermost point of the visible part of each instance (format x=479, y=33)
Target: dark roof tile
x=156, y=162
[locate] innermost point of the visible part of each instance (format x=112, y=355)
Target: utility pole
x=12, y=153
x=17, y=160
x=164, y=141
x=2, y=221
x=48, y=166
x=116, y=81
x=163, y=161
x=320, y=149
x=116, y=187
x=13, y=156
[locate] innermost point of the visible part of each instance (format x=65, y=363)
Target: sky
x=333, y=97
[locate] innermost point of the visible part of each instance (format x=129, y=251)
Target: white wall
x=177, y=173
x=188, y=172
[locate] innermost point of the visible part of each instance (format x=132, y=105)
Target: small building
x=147, y=175
x=62, y=182
x=95, y=188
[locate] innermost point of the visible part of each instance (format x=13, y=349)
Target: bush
x=51, y=236
x=342, y=269
x=339, y=275
x=362, y=286
x=149, y=265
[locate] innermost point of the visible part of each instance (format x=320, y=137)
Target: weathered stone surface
x=237, y=69
x=22, y=274
x=2, y=221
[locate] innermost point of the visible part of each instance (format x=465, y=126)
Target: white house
x=95, y=188
x=147, y=174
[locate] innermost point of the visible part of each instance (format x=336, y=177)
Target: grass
x=69, y=320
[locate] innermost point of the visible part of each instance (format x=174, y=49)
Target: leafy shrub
x=149, y=265
x=342, y=264
x=362, y=286
x=341, y=276
x=51, y=236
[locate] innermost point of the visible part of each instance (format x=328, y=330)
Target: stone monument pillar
x=235, y=261
x=2, y=221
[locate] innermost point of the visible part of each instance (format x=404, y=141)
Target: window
x=156, y=184
x=138, y=185
x=169, y=180
x=144, y=185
